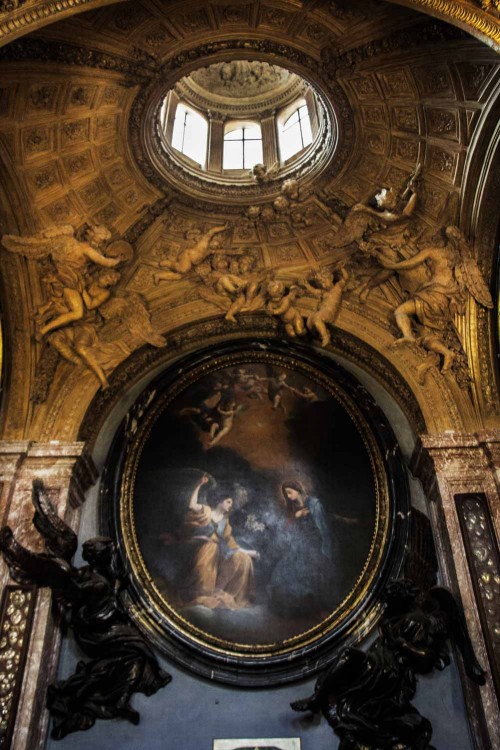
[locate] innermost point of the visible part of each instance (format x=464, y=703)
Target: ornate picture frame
x=256, y=497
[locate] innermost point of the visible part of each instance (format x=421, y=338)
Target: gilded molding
x=481, y=22
x=23, y=14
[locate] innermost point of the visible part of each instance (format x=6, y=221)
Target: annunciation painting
x=253, y=504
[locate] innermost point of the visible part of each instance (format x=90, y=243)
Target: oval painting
x=254, y=500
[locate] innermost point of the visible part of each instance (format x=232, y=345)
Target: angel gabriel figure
x=452, y=272
x=76, y=289
x=88, y=598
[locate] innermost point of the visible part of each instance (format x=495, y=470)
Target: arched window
x=295, y=132
x=190, y=134
x=242, y=146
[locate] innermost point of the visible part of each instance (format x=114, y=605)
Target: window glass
x=190, y=133
x=242, y=147
x=295, y=133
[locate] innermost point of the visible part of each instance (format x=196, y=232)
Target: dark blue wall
x=189, y=713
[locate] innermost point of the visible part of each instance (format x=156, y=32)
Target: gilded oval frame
x=277, y=661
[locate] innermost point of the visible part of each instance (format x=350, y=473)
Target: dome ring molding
x=329, y=154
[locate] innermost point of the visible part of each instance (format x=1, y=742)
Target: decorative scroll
x=484, y=564
x=18, y=605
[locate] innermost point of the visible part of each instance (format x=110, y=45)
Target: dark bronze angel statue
x=365, y=695
x=121, y=661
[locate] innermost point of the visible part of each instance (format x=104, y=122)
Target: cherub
x=453, y=272
x=262, y=174
x=223, y=420
x=248, y=296
x=71, y=258
x=385, y=208
x=329, y=293
x=237, y=282
x=282, y=304
x=191, y=256
x=308, y=394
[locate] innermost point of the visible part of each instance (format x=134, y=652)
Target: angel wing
x=128, y=310
x=34, y=568
x=468, y=274
x=352, y=228
x=39, y=245
x=59, y=538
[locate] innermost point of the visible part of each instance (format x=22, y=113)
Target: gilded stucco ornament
x=188, y=258
x=79, y=276
x=435, y=280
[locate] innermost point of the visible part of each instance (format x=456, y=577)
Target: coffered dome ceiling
x=77, y=99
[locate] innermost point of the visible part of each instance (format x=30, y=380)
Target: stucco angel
x=72, y=259
x=281, y=302
x=329, y=292
x=204, y=246
x=234, y=286
x=385, y=208
x=452, y=274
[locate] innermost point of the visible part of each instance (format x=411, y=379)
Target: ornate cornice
x=47, y=51
x=430, y=31
x=23, y=16
x=184, y=90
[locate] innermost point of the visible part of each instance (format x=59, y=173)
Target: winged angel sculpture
x=88, y=598
x=436, y=281
x=84, y=319
x=365, y=695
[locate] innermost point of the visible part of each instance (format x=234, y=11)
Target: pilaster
x=67, y=471
x=450, y=467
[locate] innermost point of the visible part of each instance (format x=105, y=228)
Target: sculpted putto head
x=385, y=199
x=97, y=234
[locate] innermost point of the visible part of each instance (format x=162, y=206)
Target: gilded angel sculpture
x=191, y=256
x=388, y=206
x=452, y=274
x=329, y=293
x=72, y=259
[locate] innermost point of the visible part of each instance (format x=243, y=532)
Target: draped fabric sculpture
x=88, y=599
